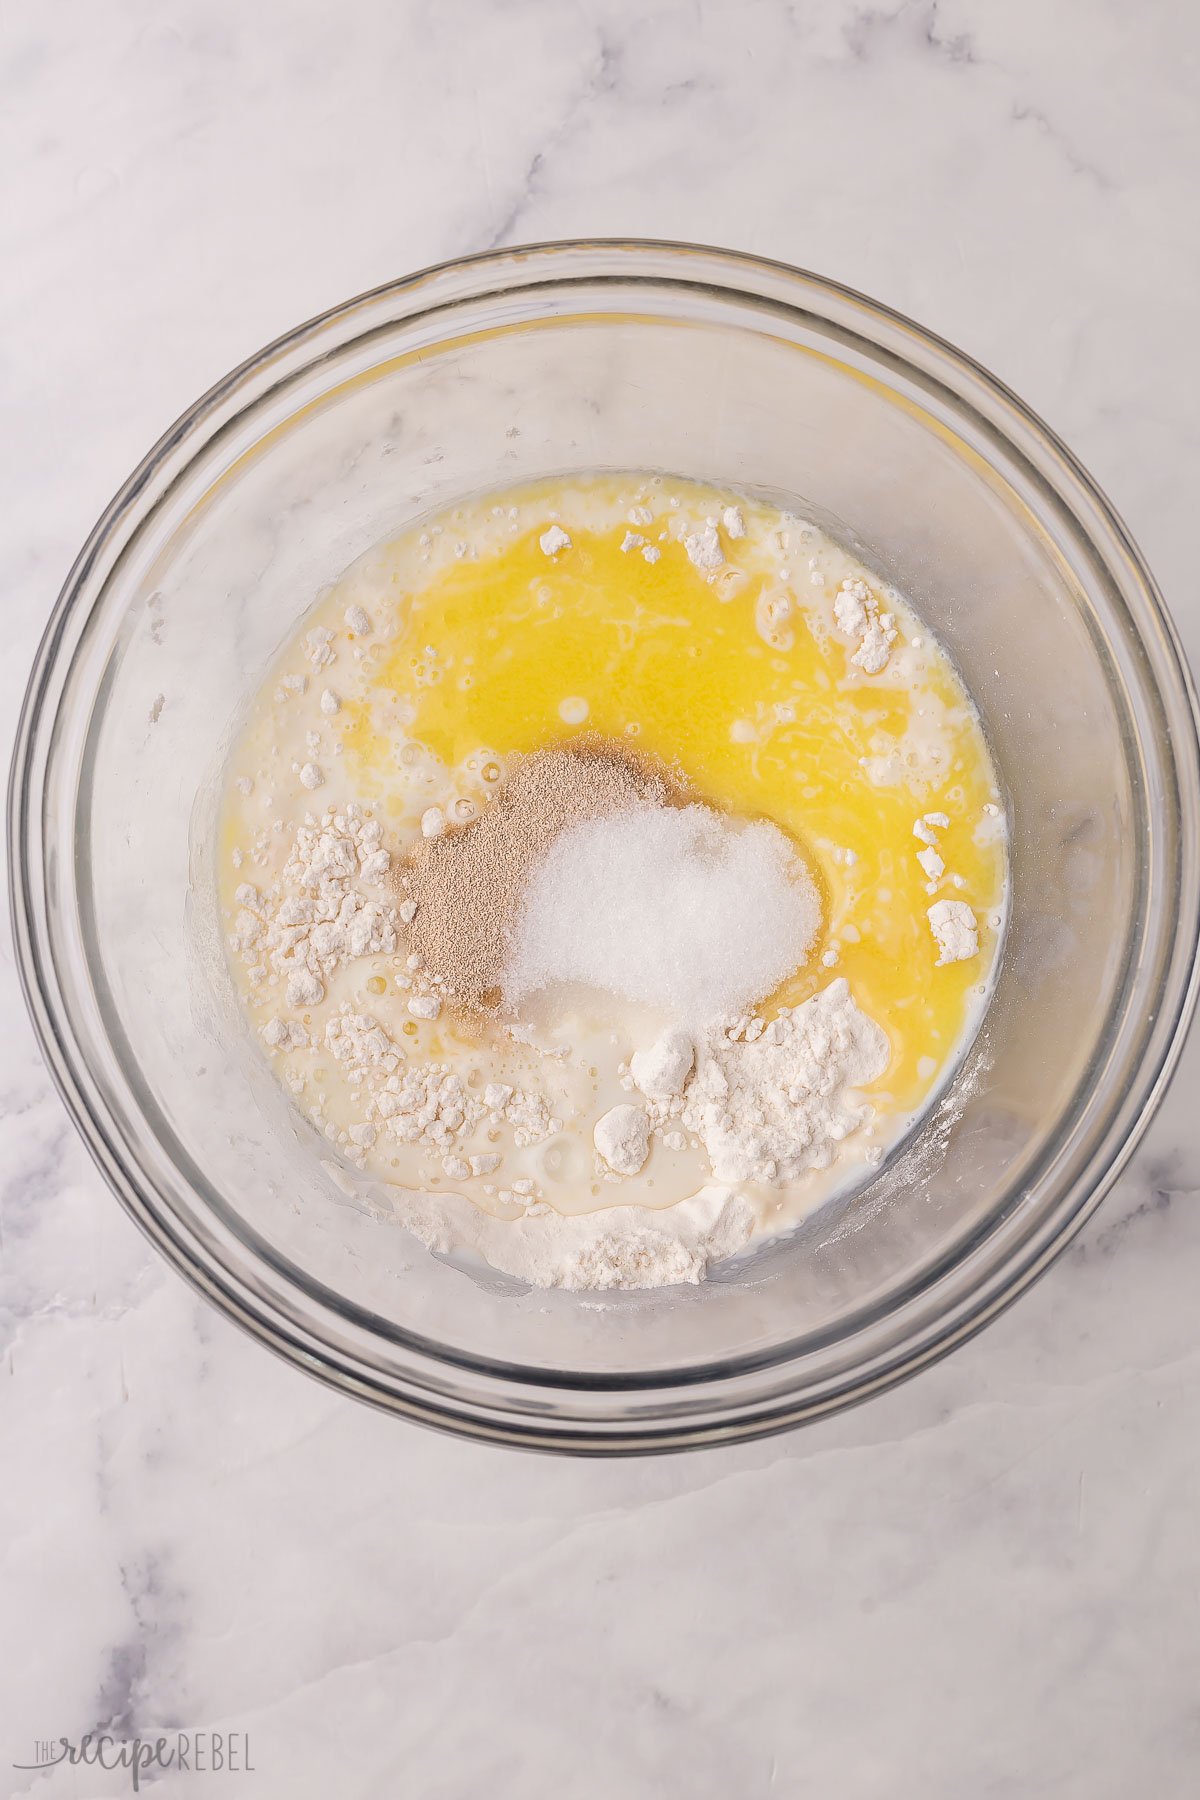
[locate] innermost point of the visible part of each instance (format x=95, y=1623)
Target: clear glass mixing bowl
x=504, y=368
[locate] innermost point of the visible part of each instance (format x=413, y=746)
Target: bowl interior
x=340, y=440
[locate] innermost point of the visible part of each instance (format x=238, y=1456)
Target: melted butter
x=779, y=726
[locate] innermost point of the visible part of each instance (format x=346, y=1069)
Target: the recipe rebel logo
x=146, y=1758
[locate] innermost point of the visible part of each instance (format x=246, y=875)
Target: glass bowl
x=499, y=369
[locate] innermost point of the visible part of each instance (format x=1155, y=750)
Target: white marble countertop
x=983, y=1584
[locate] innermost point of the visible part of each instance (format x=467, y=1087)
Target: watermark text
x=191, y=1752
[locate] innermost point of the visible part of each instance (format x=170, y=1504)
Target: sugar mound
x=677, y=908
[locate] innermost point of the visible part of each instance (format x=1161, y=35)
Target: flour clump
x=316, y=916
x=771, y=1108
x=857, y=614
x=660, y=1070
x=622, y=1138
x=955, y=930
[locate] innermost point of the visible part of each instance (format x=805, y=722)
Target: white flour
x=769, y=1104
x=766, y=1102
x=622, y=1139
x=771, y=1107
x=858, y=615
x=426, y=1103
x=621, y=1247
x=955, y=930
x=314, y=918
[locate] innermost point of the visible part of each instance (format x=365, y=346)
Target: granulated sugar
x=676, y=908
x=466, y=885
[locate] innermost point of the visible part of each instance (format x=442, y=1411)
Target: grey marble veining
x=984, y=1584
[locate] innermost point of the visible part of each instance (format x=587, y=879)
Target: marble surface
x=984, y=1584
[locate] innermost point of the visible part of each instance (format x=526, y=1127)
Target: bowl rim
x=536, y=265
